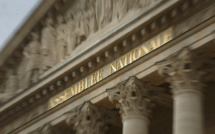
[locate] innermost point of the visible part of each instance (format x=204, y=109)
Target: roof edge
x=25, y=28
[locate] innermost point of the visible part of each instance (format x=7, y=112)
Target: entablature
x=102, y=52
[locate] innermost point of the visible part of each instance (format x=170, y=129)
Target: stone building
x=111, y=67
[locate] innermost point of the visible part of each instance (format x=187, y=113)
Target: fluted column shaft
x=183, y=73
x=188, y=112
x=135, y=125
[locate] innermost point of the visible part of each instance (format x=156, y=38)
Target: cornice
x=63, y=106
x=11, y=48
x=76, y=71
x=143, y=29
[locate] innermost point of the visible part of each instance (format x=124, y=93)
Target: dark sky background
x=12, y=14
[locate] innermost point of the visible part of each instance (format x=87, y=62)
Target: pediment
x=35, y=91
x=68, y=29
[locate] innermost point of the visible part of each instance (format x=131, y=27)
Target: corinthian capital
x=90, y=119
x=134, y=98
x=182, y=70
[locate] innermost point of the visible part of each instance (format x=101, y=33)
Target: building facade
x=111, y=67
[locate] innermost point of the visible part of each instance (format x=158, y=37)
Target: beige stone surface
x=188, y=113
x=135, y=126
x=94, y=48
x=185, y=77
x=103, y=34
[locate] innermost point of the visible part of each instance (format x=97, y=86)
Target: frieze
x=26, y=117
x=195, y=20
x=113, y=67
x=98, y=76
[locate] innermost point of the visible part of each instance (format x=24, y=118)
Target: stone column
x=90, y=119
x=182, y=71
x=134, y=99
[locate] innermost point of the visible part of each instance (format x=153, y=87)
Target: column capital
x=183, y=71
x=134, y=98
x=90, y=119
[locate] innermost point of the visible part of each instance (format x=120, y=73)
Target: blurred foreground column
x=184, y=76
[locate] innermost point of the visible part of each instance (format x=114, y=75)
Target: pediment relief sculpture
x=61, y=34
x=30, y=65
x=7, y=88
x=48, y=45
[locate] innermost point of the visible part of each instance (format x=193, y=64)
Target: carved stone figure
x=90, y=17
x=48, y=48
x=7, y=88
x=122, y=8
x=103, y=12
x=81, y=26
x=107, y=12
x=11, y=83
x=145, y=3
x=134, y=4
x=61, y=39
x=100, y=13
x=114, y=10
x=84, y=22
x=30, y=65
x=71, y=34
x=83, y=30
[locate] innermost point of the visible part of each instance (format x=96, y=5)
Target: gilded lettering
x=153, y=44
x=100, y=77
x=137, y=54
x=77, y=89
x=67, y=94
x=113, y=68
x=145, y=49
x=131, y=57
x=57, y=100
x=61, y=98
x=125, y=60
x=73, y=91
x=159, y=40
x=93, y=79
x=52, y=104
x=167, y=35
x=86, y=82
x=81, y=85
x=119, y=65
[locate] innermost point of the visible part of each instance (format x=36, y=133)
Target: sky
x=13, y=14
